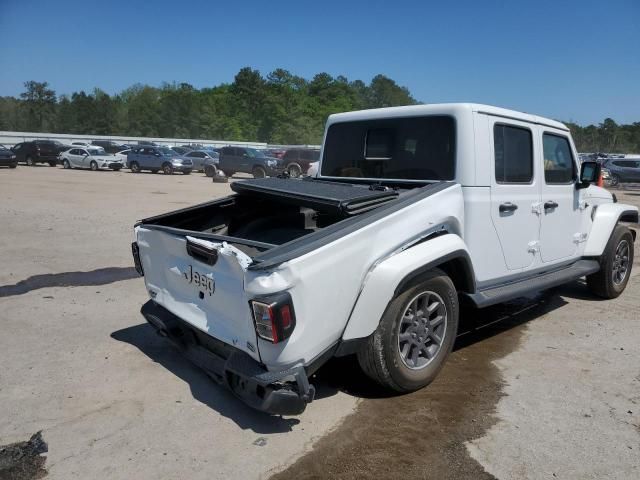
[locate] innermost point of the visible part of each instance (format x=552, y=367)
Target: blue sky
x=571, y=60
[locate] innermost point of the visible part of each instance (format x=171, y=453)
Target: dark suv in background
x=39, y=151
x=109, y=145
x=623, y=170
x=296, y=160
x=248, y=160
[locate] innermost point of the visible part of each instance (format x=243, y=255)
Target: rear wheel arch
x=456, y=265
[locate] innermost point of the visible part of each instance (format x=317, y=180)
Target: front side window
x=513, y=150
x=406, y=148
x=558, y=160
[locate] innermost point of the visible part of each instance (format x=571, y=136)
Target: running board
x=542, y=281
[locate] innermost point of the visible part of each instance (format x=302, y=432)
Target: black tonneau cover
x=341, y=199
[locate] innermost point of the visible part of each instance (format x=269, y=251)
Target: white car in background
x=312, y=171
x=95, y=158
x=122, y=155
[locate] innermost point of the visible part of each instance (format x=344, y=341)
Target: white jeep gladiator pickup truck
x=412, y=208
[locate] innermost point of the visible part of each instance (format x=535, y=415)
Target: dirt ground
x=542, y=387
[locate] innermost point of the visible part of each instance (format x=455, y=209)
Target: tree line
x=279, y=108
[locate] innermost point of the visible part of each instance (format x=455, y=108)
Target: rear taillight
x=274, y=317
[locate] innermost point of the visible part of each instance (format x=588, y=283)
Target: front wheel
x=52, y=164
x=210, y=170
x=615, y=180
x=13, y=165
x=134, y=167
x=65, y=164
x=415, y=335
x=29, y=161
x=93, y=165
x=167, y=169
x=186, y=172
x=615, y=265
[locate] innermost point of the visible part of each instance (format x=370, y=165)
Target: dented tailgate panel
x=209, y=297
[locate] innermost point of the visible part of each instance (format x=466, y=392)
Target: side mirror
x=589, y=173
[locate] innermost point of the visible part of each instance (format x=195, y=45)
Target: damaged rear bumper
x=285, y=392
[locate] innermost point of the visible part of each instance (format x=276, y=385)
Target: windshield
x=2, y=147
x=253, y=153
x=166, y=151
x=97, y=151
x=411, y=148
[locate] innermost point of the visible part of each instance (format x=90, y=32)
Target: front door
x=515, y=192
x=562, y=211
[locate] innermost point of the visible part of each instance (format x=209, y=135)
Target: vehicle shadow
x=203, y=388
x=340, y=374
x=476, y=325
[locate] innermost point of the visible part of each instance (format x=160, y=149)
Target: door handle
x=507, y=207
x=550, y=204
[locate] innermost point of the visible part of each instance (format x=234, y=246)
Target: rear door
x=515, y=191
x=561, y=217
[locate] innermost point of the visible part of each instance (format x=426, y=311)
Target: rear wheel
x=294, y=170
x=29, y=161
x=93, y=165
x=615, y=265
x=13, y=165
x=415, y=335
x=154, y=171
x=52, y=164
x=259, y=172
x=134, y=167
x=66, y=164
x=186, y=172
x=167, y=169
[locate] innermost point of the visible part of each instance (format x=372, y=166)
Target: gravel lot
x=550, y=391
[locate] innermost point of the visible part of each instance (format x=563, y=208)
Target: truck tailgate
x=202, y=284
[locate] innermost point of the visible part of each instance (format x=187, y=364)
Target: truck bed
x=272, y=219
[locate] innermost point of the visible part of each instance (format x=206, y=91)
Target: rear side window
x=406, y=148
x=513, y=149
x=558, y=160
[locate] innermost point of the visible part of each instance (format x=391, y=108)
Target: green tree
x=39, y=102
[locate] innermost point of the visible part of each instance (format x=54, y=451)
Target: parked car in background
x=122, y=155
x=38, y=151
x=623, y=170
x=203, y=160
x=80, y=144
x=248, y=160
x=313, y=169
x=94, y=158
x=7, y=158
x=274, y=152
x=297, y=160
x=109, y=145
x=155, y=159
x=181, y=150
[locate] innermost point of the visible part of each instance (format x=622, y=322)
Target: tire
x=134, y=167
x=13, y=165
x=615, y=180
x=93, y=165
x=294, y=170
x=52, y=164
x=228, y=173
x=65, y=164
x=154, y=171
x=116, y=169
x=186, y=172
x=615, y=265
x=167, y=169
x=259, y=172
x=388, y=354
x=210, y=170
x=29, y=161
